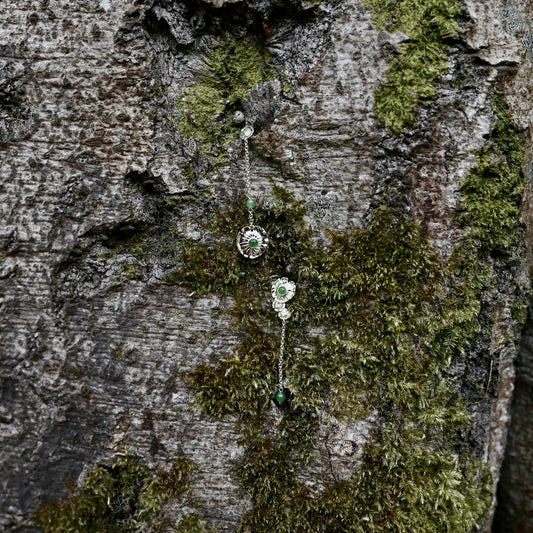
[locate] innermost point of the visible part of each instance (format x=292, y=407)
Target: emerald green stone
x=253, y=243
x=250, y=203
x=280, y=397
x=282, y=290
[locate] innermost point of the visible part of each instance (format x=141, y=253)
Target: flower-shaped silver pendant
x=283, y=290
x=252, y=241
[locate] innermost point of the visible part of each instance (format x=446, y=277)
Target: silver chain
x=248, y=181
x=281, y=349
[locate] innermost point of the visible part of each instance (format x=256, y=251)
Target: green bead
x=282, y=290
x=253, y=243
x=280, y=397
x=250, y=203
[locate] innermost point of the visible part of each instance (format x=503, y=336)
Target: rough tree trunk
x=123, y=299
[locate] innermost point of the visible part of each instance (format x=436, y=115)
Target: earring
x=252, y=240
x=282, y=291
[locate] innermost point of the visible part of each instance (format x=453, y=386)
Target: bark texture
x=118, y=146
x=515, y=493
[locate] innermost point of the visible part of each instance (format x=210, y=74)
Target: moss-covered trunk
x=391, y=168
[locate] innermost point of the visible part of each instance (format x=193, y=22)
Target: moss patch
x=493, y=189
x=403, y=486
x=412, y=74
x=395, y=315
x=206, y=109
x=135, y=250
x=126, y=496
x=378, y=320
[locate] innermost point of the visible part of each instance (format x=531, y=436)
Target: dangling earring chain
x=280, y=362
x=252, y=240
x=282, y=291
x=250, y=202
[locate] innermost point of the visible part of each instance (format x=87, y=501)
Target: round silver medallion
x=252, y=241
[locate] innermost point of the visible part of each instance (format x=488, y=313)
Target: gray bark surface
x=515, y=492
x=90, y=357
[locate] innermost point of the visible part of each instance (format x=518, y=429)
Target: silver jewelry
x=282, y=291
x=252, y=240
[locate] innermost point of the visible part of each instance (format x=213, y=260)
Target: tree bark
x=114, y=163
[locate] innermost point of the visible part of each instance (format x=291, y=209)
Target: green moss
x=120, y=352
x=310, y=4
x=269, y=478
x=378, y=320
x=193, y=523
x=401, y=486
x=206, y=109
x=413, y=74
x=404, y=486
x=519, y=308
x=219, y=269
x=387, y=270
x=137, y=244
x=156, y=243
x=130, y=271
x=394, y=316
x=493, y=189
x=126, y=496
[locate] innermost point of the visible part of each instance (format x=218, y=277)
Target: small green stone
x=253, y=243
x=282, y=290
x=250, y=203
x=280, y=397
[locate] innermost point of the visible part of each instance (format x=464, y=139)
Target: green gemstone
x=280, y=397
x=253, y=243
x=250, y=203
x=282, y=290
